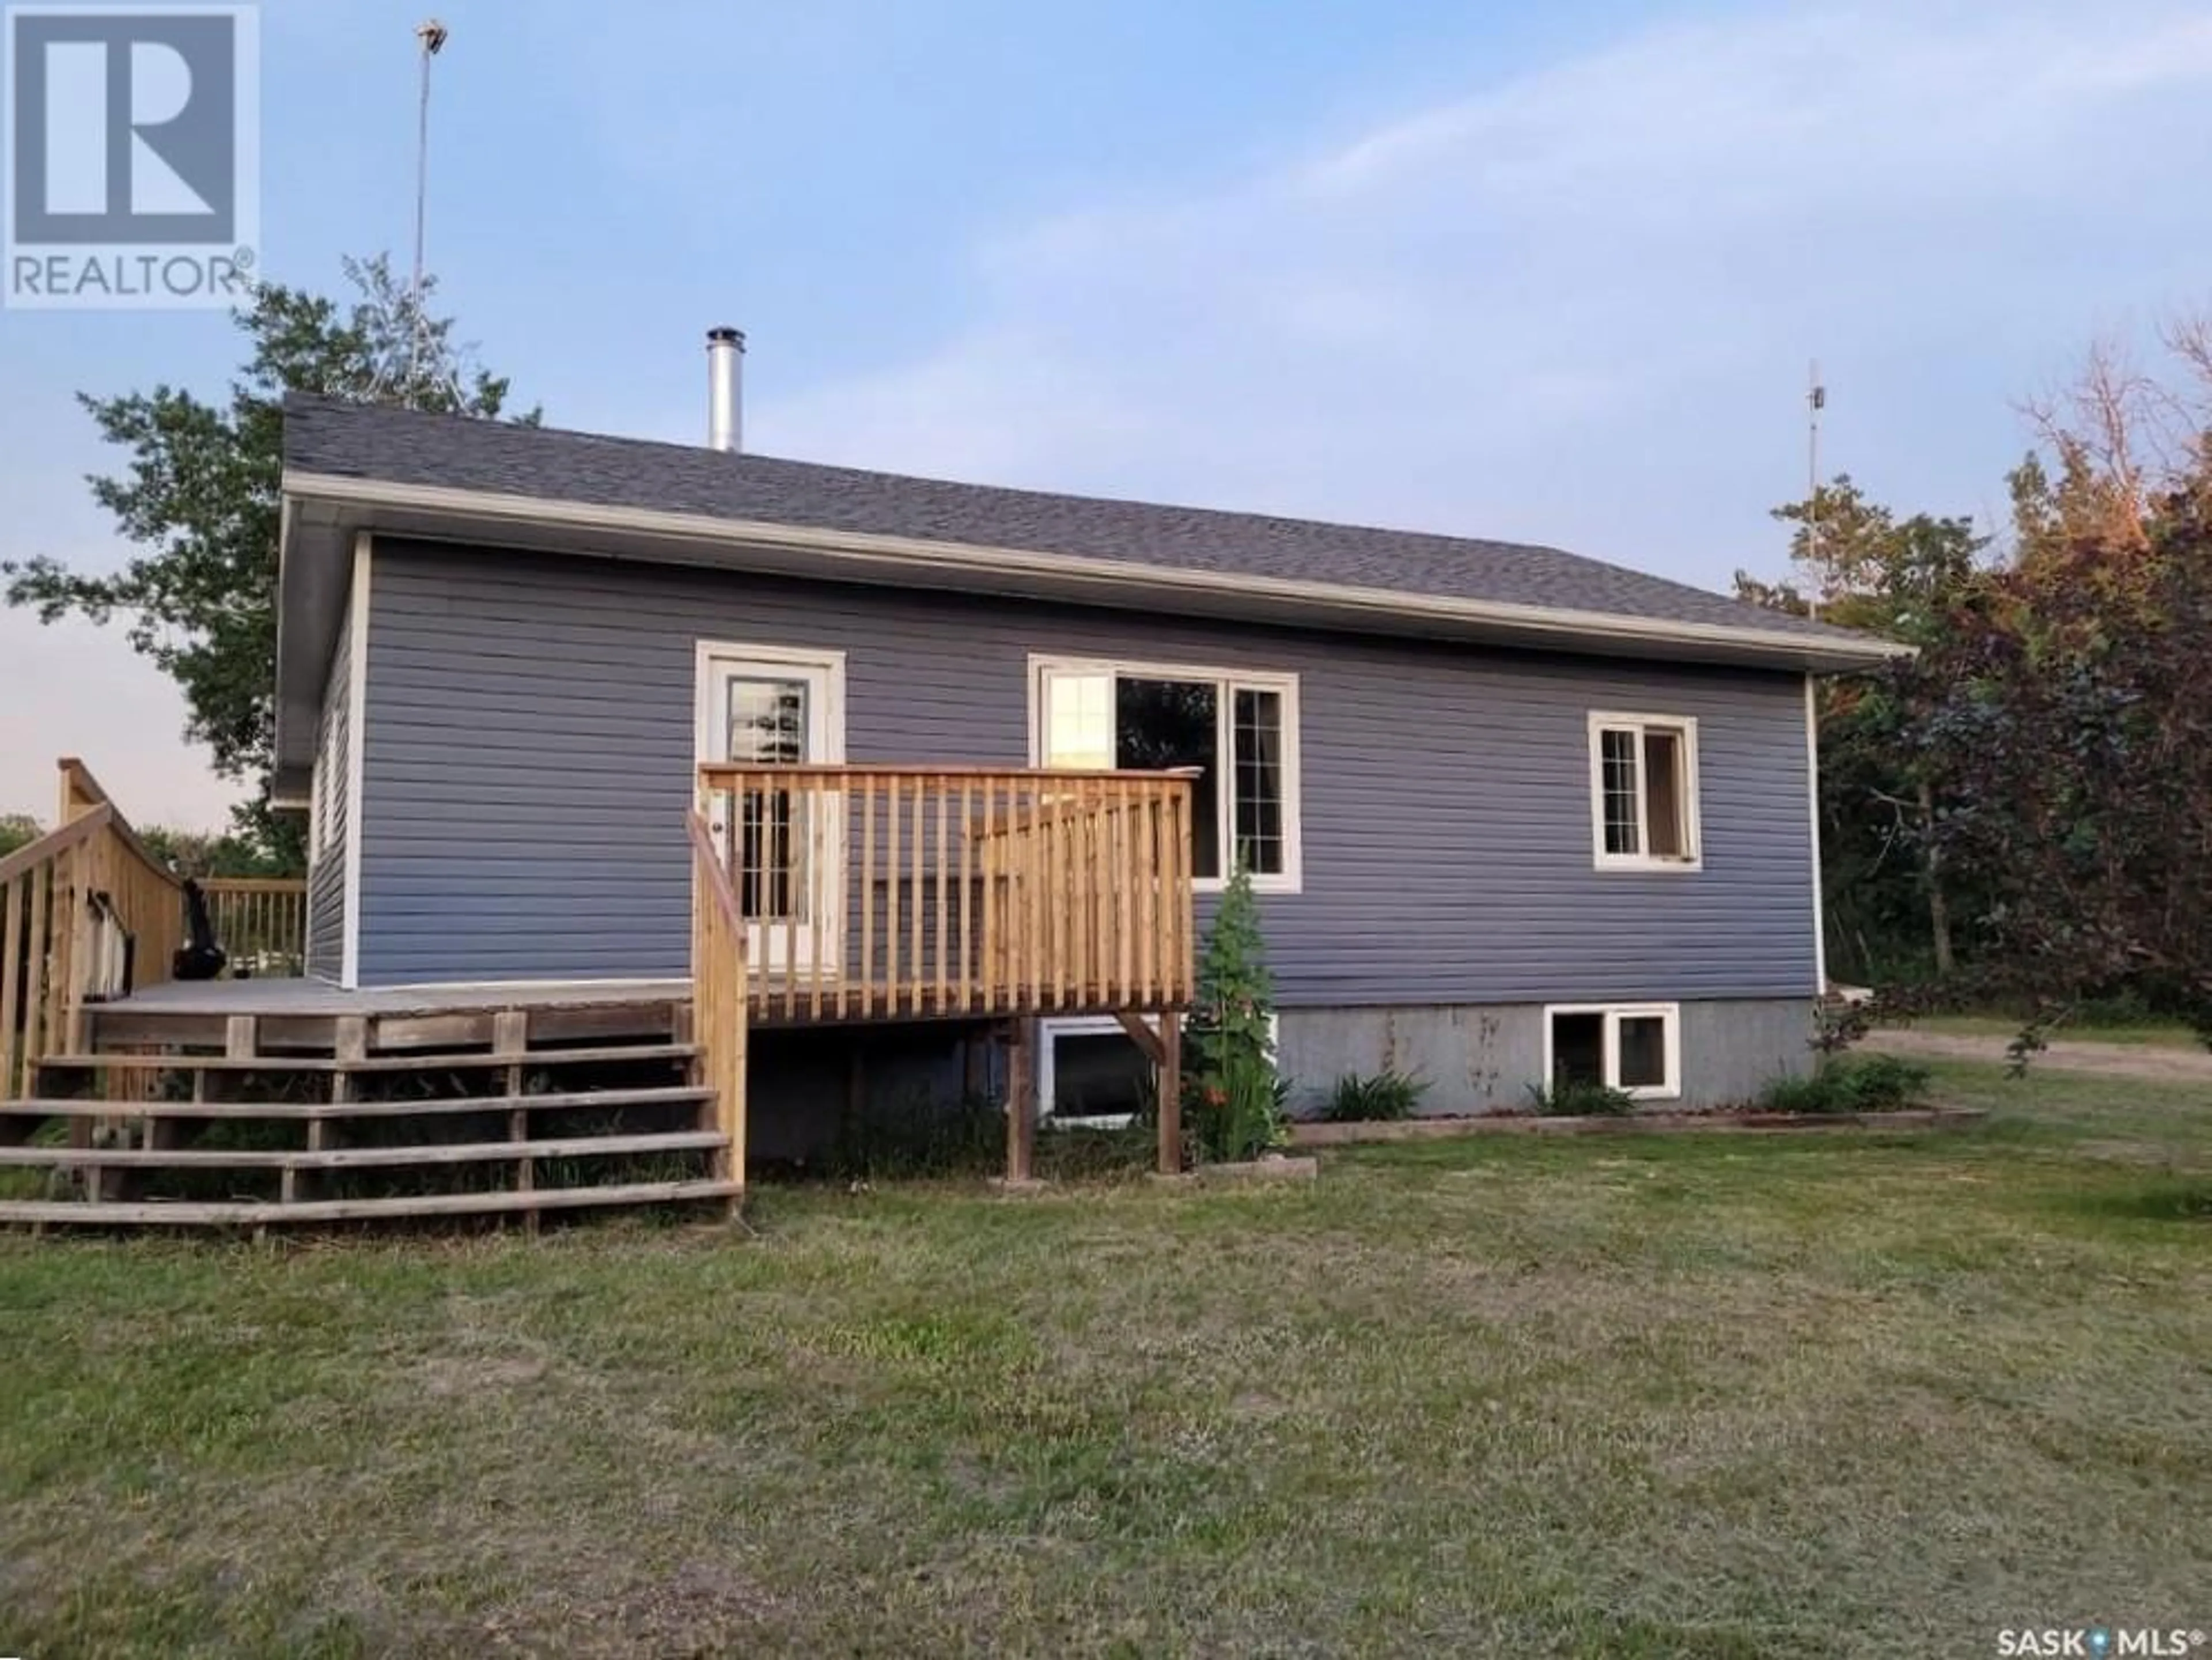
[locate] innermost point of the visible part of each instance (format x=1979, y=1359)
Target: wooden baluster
x=817, y=883
x=867, y=974
x=1036, y=932
x=917, y=963
x=1185, y=917
x=11, y=982
x=1054, y=895
x=37, y=966
x=1125, y=902
x=891, y=902
x=967, y=894
x=1156, y=888
x=944, y=866
x=993, y=974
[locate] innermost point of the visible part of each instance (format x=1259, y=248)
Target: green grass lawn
x=1712, y=1395
x=2162, y=1034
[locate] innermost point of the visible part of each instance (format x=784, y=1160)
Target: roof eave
x=766, y=548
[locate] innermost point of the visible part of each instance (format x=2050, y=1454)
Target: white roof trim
x=886, y=556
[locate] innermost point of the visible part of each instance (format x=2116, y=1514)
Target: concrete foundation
x=1484, y=1059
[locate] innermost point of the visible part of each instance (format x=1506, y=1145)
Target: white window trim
x=1050, y=1032
x=1292, y=877
x=1106, y=1025
x=1615, y=1013
x=1604, y=720
x=356, y=752
x=829, y=663
x=1813, y=812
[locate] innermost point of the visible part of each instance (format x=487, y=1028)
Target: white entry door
x=784, y=846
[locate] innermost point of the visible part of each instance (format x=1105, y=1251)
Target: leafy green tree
x=1891, y=901
x=17, y=830
x=199, y=497
x=2077, y=750
x=195, y=853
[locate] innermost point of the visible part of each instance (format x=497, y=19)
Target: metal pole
x=1816, y=400
x=432, y=35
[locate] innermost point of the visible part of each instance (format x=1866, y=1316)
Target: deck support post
x=1171, y=1091
x=1021, y=1100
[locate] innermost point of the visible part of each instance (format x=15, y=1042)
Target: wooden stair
x=496, y=1122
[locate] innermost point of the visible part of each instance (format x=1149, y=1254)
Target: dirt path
x=2111, y=1060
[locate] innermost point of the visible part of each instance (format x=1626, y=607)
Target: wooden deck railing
x=718, y=1014
x=86, y=911
x=883, y=893
x=261, y=922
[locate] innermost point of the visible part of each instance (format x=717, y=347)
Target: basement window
x=1090, y=1074
x=1633, y=1047
x=1644, y=792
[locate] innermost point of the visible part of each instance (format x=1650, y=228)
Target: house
x=1511, y=813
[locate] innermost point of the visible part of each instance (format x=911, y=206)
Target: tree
x=2079, y=757
x=195, y=853
x=17, y=830
x=1885, y=883
x=199, y=497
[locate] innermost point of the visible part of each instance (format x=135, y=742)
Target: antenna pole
x=432, y=35
x=1816, y=400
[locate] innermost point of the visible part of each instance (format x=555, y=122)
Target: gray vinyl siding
x=529, y=735
x=326, y=870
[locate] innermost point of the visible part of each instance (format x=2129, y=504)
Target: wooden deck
x=865, y=895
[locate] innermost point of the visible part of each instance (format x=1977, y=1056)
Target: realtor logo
x=133, y=171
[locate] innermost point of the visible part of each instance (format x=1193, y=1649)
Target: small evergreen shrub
x=1387, y=1094
x=1233, y=1097
x=1579, y=1099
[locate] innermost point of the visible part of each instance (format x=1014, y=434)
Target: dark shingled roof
x=333, y=438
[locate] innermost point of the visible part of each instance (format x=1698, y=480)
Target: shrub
x=1580, y=1098
x=1233, y=1099
x=1856, y=1083
x=1806, y=1092
x=1878, y=1083
x=1388, y=1094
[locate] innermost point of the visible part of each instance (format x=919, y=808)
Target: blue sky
x=1552, y=273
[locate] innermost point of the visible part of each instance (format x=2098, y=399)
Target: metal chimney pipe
x=726, y=356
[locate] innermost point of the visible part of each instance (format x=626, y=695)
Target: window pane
x=1617, y=782
x=1098, y=1075
x=1578, y=1048
x=1259, y=744
x=767, y=721
x=1642, y=1052
x=1163, y=724
x=767, y=726
x=1078, y=721
x=1665, y=782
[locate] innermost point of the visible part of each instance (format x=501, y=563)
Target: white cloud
x=1577, y=306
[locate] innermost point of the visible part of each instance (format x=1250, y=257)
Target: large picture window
x=1237, y=729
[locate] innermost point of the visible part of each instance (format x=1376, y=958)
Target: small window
x=328, y=790
x=1636, y=1048
x=1644, y=792
x=1090, y=1074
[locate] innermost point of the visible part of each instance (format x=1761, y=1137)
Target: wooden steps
x=424, y=1061
x=309, y=1112
x=450, y=1152
x=161, y=1213
x=219, y=1128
